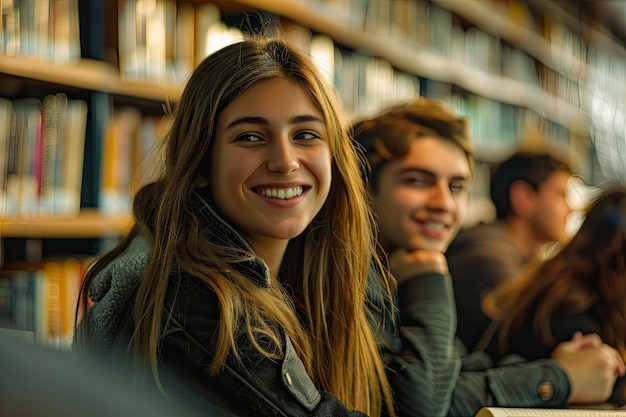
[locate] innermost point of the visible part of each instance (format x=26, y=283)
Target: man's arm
x=541, y=383
x=422, y=359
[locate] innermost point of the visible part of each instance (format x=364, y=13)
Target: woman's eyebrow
x=248, y=119
x=306, y=118
x=257, y=120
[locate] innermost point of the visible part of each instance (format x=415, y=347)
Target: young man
x=528, y=191
x=420, y=169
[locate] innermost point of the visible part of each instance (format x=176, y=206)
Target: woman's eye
x=306, y=135
x=248, y=137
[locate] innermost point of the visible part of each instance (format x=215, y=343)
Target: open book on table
x=602, y=411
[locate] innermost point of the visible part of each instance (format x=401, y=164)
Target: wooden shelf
x=89, y=224
x=99, y=76
x=483, y=15
x=87, y=74
x=428, y=64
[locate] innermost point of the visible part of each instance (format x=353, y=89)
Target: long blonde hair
x=326, y=315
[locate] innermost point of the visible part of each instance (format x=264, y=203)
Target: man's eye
x=457, y=188
x=421, y=181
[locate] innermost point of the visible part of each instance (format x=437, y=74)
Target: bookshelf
x=86, y=74
x=511, y=66
x=423, y=62
x=90, y=223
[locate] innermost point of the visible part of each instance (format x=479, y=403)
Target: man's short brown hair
x=388, y=136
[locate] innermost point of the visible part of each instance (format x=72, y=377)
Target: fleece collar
x=113, y=286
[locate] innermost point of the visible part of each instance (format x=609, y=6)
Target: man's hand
x=405, y=264
x=591, y=365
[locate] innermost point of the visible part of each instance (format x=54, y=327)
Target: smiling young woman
x=245, y=273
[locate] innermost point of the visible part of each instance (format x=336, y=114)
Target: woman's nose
x=282, y=156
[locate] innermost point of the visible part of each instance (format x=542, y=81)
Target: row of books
x=39, y=304
x=366, y=83
x=45, y=29
x=162, y=41
x=498, y=128
x=42, y=145
x=434, y=24
x=129, y=157
x=41, y=155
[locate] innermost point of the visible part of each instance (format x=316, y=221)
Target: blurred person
x=581, y=289
x=529, y=193
x=246, y=270
x=40, y=381
x=420, y=169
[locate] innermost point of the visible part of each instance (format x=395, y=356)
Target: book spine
x=73, y=156
x=51, y=142
x=5, y=136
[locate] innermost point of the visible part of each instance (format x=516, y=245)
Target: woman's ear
x=523, y=199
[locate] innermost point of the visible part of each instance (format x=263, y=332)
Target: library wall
x=85, y=84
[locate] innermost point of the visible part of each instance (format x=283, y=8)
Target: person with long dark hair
x=581, y=289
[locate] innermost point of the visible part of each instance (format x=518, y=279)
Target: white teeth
x=282, y=193
x=435, y=226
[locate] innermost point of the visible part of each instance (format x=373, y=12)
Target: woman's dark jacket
x=257, y=387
